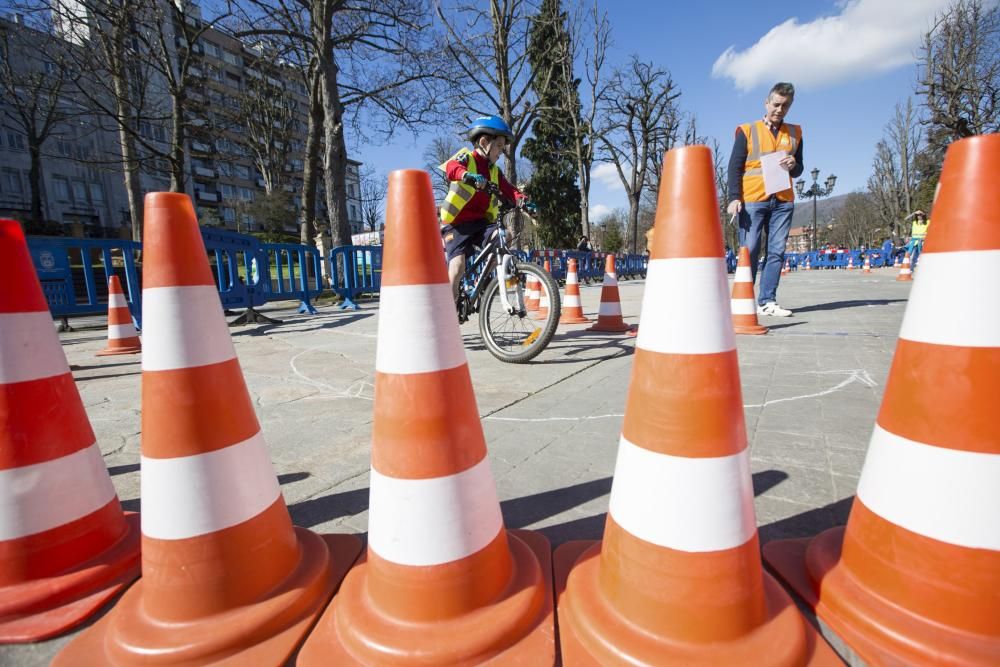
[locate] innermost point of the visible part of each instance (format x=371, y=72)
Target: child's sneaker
x=772, y=309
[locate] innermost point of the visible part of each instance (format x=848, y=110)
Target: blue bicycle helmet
x=491, y=125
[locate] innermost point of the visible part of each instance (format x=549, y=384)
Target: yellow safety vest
x=760, y=141
x=459, y=193
x=918, y=231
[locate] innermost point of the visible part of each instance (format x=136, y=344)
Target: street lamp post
x=815, y=191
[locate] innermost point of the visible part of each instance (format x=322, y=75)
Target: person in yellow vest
x=918, y=232
x=469, y=211
x=757, y=208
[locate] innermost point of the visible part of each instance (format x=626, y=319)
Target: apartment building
x=223, y=147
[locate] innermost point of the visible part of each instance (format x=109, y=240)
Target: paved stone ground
x=811, y=389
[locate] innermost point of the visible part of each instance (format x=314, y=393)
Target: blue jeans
x=776, y=217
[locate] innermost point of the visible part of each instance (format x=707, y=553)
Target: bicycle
x=495, y=286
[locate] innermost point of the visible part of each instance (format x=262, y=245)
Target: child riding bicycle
x=469, y=211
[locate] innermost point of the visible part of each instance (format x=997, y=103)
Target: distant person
x=584, y=245
x=918, y=232
x=887, y=252
x=757, y=210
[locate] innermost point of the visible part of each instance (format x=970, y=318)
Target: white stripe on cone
x=184, y=328
x=414, y=330
x=220, y=489
x=42, y=496
x=119, y=331
x=117, y=300
x=743, y=274
x=685, y=503
x=572, y=278
x=31, y=348
x=958, y=279
x=743, y=306
x=610, y=309
x=695, y=286
x=944, y=494
x=571, y=300
x=432, y=521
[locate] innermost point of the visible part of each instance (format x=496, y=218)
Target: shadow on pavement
x=329, y=324
x=837, y=305
x=785, y=325
x=123, y=469
x=83, y=378
x=808, y=524
x=315, y=511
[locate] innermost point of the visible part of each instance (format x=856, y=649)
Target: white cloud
x=607, y=175
x=598, y=211
x=867, y=37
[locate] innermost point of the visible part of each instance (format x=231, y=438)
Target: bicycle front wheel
x=518, y=336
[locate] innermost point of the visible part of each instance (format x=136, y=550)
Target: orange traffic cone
x=809, y=264
x=66, y=548
x=544, y=299
x=744, y=302
x=225, y=575
x=896, y=264
x=868, y=265
x=609, y=318
x=905, y=275
x=122, y=338
x=914, y=578
x=678, y=576
x=443, y=581
x=572, y=309
x=850, y=263
x=533, y=289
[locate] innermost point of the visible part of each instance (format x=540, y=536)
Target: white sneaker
x=773, y=310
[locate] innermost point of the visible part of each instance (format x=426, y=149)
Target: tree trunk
x=335, y=158
x=633, y=223
x=177, y=144
x=35, y=182
x=310, y=172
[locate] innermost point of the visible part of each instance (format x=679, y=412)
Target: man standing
x=757, y=208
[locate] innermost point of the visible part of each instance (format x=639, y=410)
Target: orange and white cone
x=122, y=337
x=868, y=265
x=609, y=318
x=66, y=547
x=544, y=300
x=850, y=263
x=896, y=264
x=533, y=289
x=914, y=578
x=744, y=301
x=443, y=581
x=572, y=308
x=905, y=275
x=225, y=575
x=678, y=576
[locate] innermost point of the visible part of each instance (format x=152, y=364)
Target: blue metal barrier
x=355, y=270
x=75, y=284
x=292, y=271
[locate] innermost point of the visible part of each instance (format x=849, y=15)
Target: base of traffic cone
x=877, y=630
x=786, y=638
x=750, y=329
x=612, y=327
x=36, y=610
x=266, y=633
x=571, y=319
x=905, y=277
x=486, y=635
x=110, y=351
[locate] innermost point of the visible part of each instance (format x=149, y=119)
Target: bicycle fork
x=508, y=273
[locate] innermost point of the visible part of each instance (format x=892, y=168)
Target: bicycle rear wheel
x=517, y=337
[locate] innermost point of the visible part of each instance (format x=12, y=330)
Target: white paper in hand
x=776, y=178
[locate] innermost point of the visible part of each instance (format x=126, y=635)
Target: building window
x=228, y=214
x=11, y=182
x=80, y=192
x=354, y=212
x=233, y=58
x=248, y=221
x=97, y=193
x=213, y=49
x=246, y=194
x=228, y=191
x=242, y=171
x=61, y=187
x=225, y=168
x=16, y=141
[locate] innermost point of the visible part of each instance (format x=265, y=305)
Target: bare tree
x=373, y=55
x=589, y=40
x=858, y=222
x=436, y=153
x=886, y=186
x=489, y=44
x=639, y=121
x=34, y=80
x=374, y=188
x=960, y=62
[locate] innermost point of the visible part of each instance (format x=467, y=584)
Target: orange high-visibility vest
x=760, y=141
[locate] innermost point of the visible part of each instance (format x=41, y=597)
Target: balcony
x=204, y=171
x=201, y=195
x=200, y=147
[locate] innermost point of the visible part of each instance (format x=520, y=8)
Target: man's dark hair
x=782, y=88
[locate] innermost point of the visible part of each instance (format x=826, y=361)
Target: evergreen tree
x=553, y=185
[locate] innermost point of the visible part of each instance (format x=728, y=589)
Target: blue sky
x=851, y=62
